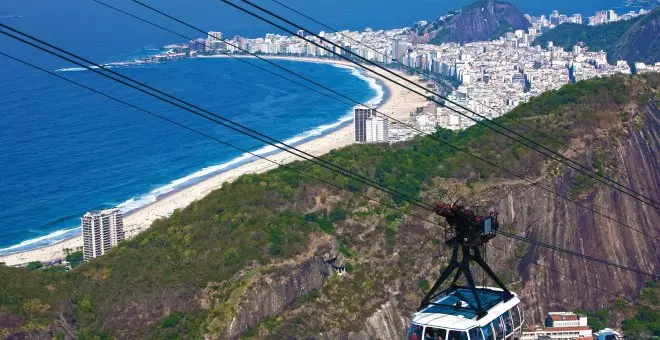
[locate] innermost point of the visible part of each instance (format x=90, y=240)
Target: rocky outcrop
x=534, y=213
x=387, y=323
x=539, y=216
x=483, y=20
x=273, y=292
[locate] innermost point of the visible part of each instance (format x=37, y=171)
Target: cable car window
x=508, y=325
x=515, y=315
x=488, y=332
x=498, y=327
x=475, y=334
x=457, y=335
x=435, y=334
x=415, y=332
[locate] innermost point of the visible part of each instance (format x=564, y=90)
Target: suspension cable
x=527, y=142
x=453, y=147
x=442, y=83
x=96, y=67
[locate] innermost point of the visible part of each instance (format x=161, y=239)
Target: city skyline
x=493, y=76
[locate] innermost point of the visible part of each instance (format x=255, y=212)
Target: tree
x=231, y=257
x=75, y=258
x=35, y=265
x=338, y=214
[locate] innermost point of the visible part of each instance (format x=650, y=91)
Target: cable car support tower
x=468, y=233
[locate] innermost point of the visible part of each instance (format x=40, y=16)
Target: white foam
x=49, y=239
x=108, y=65
x=73, y=69
x=152, y=196
x=140, y=201
x=373, y=84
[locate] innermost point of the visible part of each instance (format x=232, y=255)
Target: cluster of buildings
x=494, y=76
x=101, y=230
x=566, y=326
x=608, y=16
x=544, y=24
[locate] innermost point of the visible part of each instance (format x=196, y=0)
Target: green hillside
x=184, y=277
x=602, y=37
x=632, y=40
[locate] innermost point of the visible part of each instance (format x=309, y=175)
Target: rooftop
x=449, y=316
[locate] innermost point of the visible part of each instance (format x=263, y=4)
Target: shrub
x=231, y=257
x=35, y=265
x=424, y=285
x=348, y=266
x=338, y=214
x=313, y=216
x=35, y=307
x=326, y=225
x=75, y=258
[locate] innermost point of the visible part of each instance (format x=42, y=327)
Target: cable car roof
x=463, y=319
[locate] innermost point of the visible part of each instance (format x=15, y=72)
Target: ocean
x=73, y=151
x=65, y=150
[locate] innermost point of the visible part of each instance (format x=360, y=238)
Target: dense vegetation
x=633, y=40
x=641, y=319
x=597, y=38
x=185, y=276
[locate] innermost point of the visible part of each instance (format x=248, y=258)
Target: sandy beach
x=400, y=103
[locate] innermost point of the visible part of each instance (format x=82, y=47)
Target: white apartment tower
x=370, y=128
x=377, y=129
x=102, y=230
x=214, y=42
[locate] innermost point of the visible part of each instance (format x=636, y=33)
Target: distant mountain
x=483, y=20
x=633, y=40
x=641, y=41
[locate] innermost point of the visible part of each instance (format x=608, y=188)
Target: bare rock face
x=386, y=323
x=534, y=213
x=553, y=281
x=273, y=292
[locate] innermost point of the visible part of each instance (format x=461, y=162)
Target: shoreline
x=396, y=102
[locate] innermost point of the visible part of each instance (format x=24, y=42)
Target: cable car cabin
x=443, y=319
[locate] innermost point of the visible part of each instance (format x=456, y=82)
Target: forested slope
x=635, y=40
x=252, y=258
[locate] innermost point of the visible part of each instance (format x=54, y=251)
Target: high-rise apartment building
x=611, y=16
x=369, y=128
x=377, y=129
x=214, y=42
x=577, y=18
x=399, y=48
x=360, y=122
x=102, y=230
